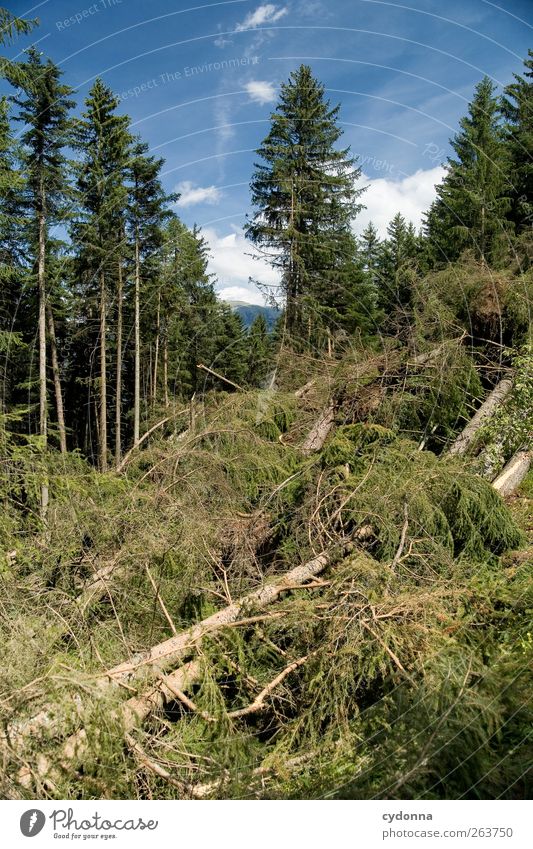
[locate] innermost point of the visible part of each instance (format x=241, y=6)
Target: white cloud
x=261, y=91
x=412, y=196
x=191, y=194
x=233, y=266
x=241, y=293
x=266, y=14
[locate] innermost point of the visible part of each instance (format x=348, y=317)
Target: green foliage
x=305, y=196
x=473, y=200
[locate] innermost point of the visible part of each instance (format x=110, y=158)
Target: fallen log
x=320, y=431
x=160, y=657
x=513, y=473
x=496, y=397
x=166, y=654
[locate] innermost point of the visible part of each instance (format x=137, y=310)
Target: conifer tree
x=472, y=203
x=259, y=351
x=396, y=272
x=147, y=212
x=305, y=197
x=104, y=142
x=517, y=106
x=44, y=106
x=12, y=186
x=10, y=27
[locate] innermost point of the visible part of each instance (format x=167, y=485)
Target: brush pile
x=291, y=593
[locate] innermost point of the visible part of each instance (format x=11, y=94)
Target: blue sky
x=199, y=81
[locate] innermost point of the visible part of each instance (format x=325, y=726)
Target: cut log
x=320, y=431
x=496, y=397
x=513, y=473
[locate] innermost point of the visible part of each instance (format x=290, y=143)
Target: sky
x=199, y=81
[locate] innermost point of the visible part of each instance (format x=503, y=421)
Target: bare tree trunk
x=466, y=437
x=102, y=442
x=57, y=381
x=156, y=353
x=318, y=434
x=513, y=473
x=165, y=370
x=118, y=391
x=41, y=285
x=137, y=367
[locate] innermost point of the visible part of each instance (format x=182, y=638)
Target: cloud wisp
x=265, y=14
x=190, y=195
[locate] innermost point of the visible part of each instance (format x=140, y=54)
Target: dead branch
x=128, y=454
x=220, y=377
x=258, y=702
x=428, y=357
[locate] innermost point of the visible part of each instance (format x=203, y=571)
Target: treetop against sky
x=200, y=81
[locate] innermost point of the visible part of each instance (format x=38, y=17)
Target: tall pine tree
x=103, y=139
x=517, y=106
x=472, y=201
x=147, y=212
x=44, y=104
x=305, y=196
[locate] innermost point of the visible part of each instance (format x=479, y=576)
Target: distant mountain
x=250, y=311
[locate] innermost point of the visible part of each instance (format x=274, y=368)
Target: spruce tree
x=103, y=139
x=10, y=27
x=12, y=187
x=517, y=107
x=44, y=104
x=147, y=212
x=305, y=197
x=396, y=273
x=258, y=351
x=472, y=203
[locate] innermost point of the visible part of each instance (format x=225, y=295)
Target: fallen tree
x=513, y=473
x=465, y=439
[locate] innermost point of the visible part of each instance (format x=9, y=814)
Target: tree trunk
x=165, y=370
x=57, y=381
x=102, y=441
x=466, y=437
x=513, y=473
x=318, y=434
x=137, y=367
x=171, y=651
x=41, y=286
x=156, y=352
x=118, y=391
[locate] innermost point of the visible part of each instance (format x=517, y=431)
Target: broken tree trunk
x=496, y=397
x=513, y=473
x=171, y=651
x=320, y=431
